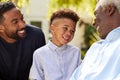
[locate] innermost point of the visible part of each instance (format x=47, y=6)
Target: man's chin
x=21, y=36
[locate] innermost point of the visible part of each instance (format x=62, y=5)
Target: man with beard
x=17, y=43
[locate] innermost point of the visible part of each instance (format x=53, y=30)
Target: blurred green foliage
x=19, y=3
x=90, y=36
x=82, y=6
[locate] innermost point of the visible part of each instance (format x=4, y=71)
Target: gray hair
x=104, y=3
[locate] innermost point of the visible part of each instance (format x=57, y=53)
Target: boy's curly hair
x=64, y=13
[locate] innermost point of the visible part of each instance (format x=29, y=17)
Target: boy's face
x=62, y=30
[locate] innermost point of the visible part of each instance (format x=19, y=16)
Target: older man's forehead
x=99, y=2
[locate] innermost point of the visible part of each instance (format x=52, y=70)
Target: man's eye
x=14, y=22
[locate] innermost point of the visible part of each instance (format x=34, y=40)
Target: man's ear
x=1, y=28
x=111, y=9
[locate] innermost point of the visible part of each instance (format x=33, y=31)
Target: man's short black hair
x=4, y=7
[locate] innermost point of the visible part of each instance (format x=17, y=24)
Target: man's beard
x=16, y=35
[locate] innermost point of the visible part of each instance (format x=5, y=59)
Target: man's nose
x=94, y=22
x=22, y=24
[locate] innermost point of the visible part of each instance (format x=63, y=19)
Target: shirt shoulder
x=73, y=47
x=42, y=50
x=33, y=30
x=35, y=34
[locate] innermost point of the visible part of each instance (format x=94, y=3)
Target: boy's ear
x=51, y=28
x=111, y=9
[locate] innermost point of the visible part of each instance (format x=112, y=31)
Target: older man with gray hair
x=102, y=60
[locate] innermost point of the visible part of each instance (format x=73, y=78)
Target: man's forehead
x=99, y=2
x=97, y=6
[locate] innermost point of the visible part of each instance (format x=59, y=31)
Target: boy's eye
x=65, y=28
x=72, y=31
